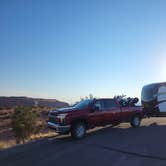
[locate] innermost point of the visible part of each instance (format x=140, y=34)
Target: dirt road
x=117, y=146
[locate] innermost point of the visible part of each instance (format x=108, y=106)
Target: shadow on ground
x=151, y=129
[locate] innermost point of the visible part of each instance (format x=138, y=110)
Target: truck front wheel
x=135, y=121
x=78, y=130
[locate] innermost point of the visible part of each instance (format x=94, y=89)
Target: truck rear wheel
x=78, y=130
x=135, y=121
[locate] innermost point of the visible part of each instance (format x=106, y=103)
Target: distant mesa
x=10, y=102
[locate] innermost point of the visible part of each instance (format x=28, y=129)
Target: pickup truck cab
x=91, y=113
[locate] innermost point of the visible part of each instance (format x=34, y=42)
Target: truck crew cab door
x=111, y=111
x=96, y=115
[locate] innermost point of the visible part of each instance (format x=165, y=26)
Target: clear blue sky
x=68, y=49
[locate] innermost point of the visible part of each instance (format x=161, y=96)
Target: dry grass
x=5, y=112
x=42, y=135
x=3, y=145
x=12, y=142
x=7, y=144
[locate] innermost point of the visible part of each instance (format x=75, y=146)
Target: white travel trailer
x=153, y=99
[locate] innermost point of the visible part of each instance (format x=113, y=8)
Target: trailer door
x=161, y=97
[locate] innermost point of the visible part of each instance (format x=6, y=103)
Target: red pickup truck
x=91, y=113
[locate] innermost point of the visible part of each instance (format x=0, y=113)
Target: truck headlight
x=61, y=117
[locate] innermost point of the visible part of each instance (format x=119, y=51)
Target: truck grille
x=52, y=119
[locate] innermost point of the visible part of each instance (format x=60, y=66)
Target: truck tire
x=78, y=130
x=135, y=121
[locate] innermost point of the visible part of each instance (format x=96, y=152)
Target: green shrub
x=24, y=123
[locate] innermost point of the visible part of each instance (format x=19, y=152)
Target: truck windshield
x=83, y=104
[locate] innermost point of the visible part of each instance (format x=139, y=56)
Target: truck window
x=109, y=104
x=83, y=104
x=98, y=104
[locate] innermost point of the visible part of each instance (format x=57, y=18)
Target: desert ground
x=7, y=138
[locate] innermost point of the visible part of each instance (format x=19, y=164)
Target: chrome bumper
x=58, y=128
